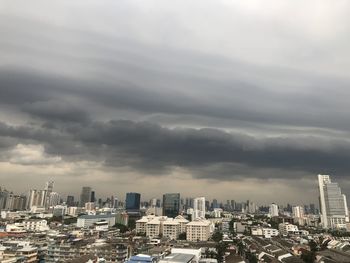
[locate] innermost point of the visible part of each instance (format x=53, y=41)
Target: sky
x=224, y=99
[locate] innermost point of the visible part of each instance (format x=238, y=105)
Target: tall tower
x=171, y=205
x=85, y=196
x=333, y=205
x=47, y=191
x=132, y=202
x=198, y=208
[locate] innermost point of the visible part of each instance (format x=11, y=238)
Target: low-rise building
x=90, y=220
x=198, y=230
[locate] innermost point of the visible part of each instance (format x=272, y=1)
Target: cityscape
x=187, y=131
x=42, y=226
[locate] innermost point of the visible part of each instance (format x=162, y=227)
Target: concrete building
x=273, y=211
x=89, y=220
x=36, y=198
x=287, y=228
x=298, y=211
x=198, y=208
x=333, y=204
x=153, y=226
x=132, y=202
x=85, y=195
x=35, y=225
x=171, y=229
x=171, y=205
x=54, y=199
x=199, y=230
x=264, y=232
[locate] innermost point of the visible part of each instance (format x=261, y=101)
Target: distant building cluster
x=41, y=225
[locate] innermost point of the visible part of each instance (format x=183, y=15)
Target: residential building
x=198, y=230
x=287, y=228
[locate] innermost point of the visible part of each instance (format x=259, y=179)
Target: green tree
x=122, y=228
x=217, y=236
x=132, y=224
x=182, y=236
x=221, y=248
x=70, y=220
x=240, y=247
x=308, y=256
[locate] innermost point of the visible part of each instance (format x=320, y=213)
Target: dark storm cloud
x=47, y=95
x=120, y=85
x=208, y=153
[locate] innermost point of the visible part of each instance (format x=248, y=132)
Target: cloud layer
x=211, y=92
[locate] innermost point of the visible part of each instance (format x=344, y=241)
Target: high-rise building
x=215, y=204
x=198, y=208
x=48, y=190
x=333, y=205
x=70, y=200
x=36, y=198
x=132, y=202
x=92, y=197
x=312, y=209
x=171, y=204
x=54, y=199
x=298, y=211
x=3, y=196
x=15, y=202
x=115, y=202
x=273, y=210
x=49, y=186
x=85, y=195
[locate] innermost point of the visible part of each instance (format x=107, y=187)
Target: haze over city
x=225, y=99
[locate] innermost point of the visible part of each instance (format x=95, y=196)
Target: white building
x=36, y=198
x=153, y=226
x=90, y=206
x=334, y=210
x=171, y=229
x=265, y=232
x=298, y=211
x=198, y=208
x=73, y=210
x=35, y=225
x=101, y=226
x=199, y=230
x=287, y=228
x=89, y=220
x=54, y=199
x=182, y=223
x=273, y=210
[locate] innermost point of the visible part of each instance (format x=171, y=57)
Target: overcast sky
x=227, y=99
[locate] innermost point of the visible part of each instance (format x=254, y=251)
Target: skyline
x=223, y=99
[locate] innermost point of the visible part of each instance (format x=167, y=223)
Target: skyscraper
x=70, y=200
x=333, y=205
x=171, y=205
x=92, y=197
x=298, y=211
x=198, y=208
x=85, y=195
x=54, y=199
x=36, y=198
x=48, y=190
x=132, y=202
x=273, y=210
